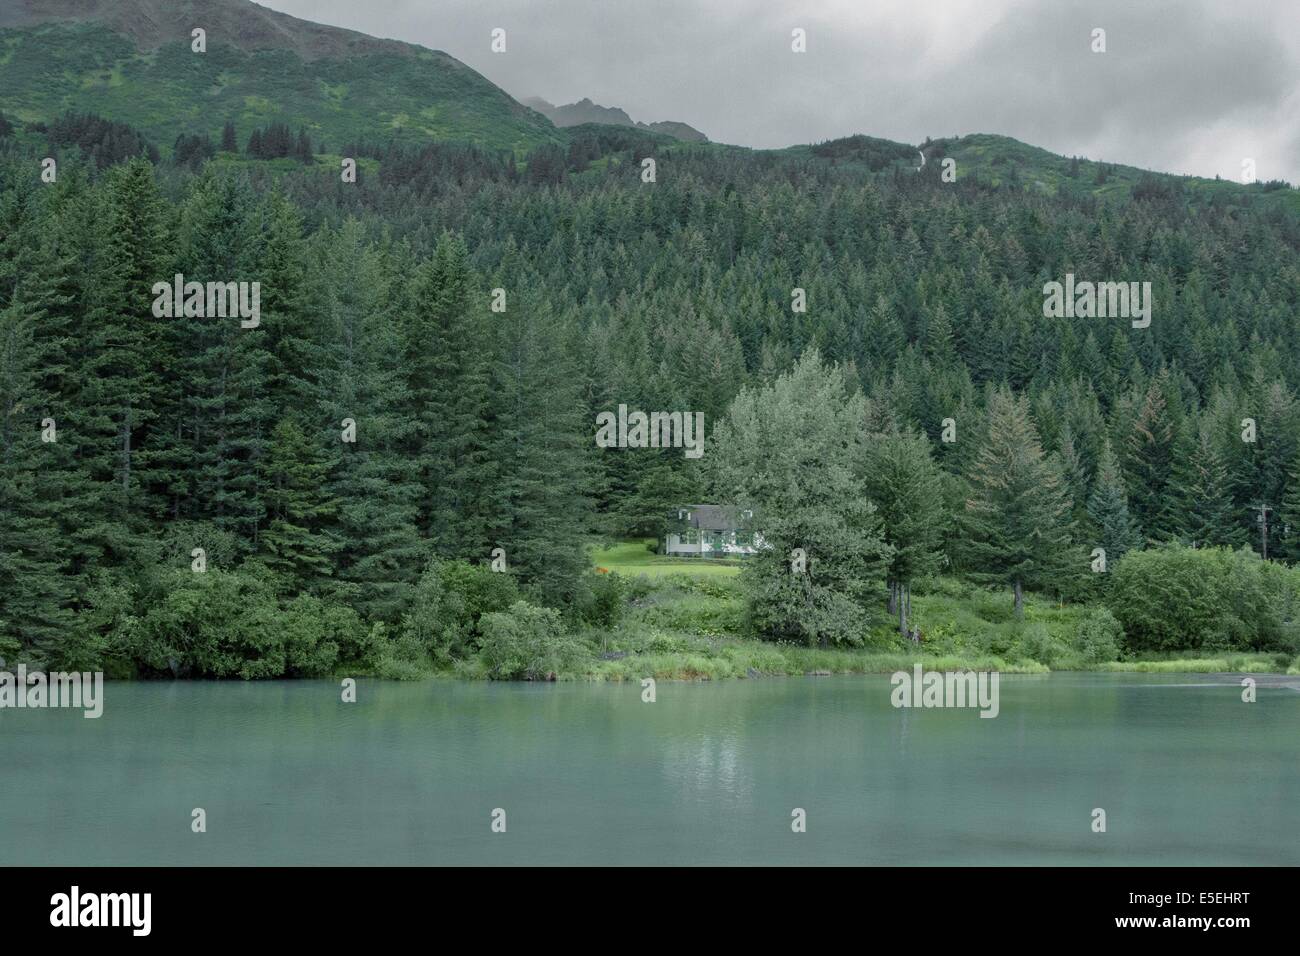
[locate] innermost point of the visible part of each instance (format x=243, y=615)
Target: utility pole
x=1262, y=520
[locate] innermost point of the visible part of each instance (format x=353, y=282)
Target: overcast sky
x=1185, y=86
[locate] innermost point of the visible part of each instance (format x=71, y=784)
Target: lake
x=708, y=774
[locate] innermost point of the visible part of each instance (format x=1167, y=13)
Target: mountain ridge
x=586, y=111
x=131, y=60
x=249, y=26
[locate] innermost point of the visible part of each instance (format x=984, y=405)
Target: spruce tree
x=294, y=542
x=373, y=480
x=226, y=413
x=1018, y=513
x=446, y=332
x=538, y=506
x=122, y=359
x=1117, y=533
x=901, y=478
x=1202, y=490
x=663, y=484
x=1148, y=466
x=289, y=310
x=36, y=593
x=1289, y=525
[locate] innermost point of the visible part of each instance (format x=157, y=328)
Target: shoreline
x=1188, y=667
x=699, y=669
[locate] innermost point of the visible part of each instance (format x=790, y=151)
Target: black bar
x=983, y=906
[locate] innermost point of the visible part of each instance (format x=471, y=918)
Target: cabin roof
x=713, y=517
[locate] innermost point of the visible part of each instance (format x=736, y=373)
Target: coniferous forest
x=342, y=485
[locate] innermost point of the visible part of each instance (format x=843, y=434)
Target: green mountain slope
x=1000, y=162
x=1003, y=161
x=131, y=60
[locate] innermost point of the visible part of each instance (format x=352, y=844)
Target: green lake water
x=708, y=774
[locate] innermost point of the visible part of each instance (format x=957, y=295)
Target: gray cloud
x=1186, y=86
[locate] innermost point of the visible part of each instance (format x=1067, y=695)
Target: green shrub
x=664, y=642
x=696, y=615
x=638, y=587
x=230, y=624
x=313, y=631
x=450, y=599
x=994, y=606
x=473, y=590
x=980, y=636
x=221, y=548
x=1099, y=637
x=605, y=601
x=941, y=586
x=1038, y=643
x=528, y=643
x=401, y=657
x=1177, y=598
x=714, y=587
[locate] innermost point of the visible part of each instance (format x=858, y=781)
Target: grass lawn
x=632, y=558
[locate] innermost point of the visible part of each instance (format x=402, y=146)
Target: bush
x=527, y=643
x=312, y=632
x=399, y=658
x=664, y=642
x=1037, y=643
x=1099, y=637
x=230, y=624
x=696, y=615
x=979, y=636
x=450, y=599
x=1175, y=598
x=605, y=601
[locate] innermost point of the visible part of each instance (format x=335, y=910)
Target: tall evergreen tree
x=294, y=542
x=902, y=480
x=226, y=413
x=1202, y=490
x=37, y=592
x=538, y=504
x=374, y=481
x=449, y=379
x=123, y=357
x=1149, y=463
x=289, y=310
x=1117, y=533
x=1289, y=539
x=1018, y=514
